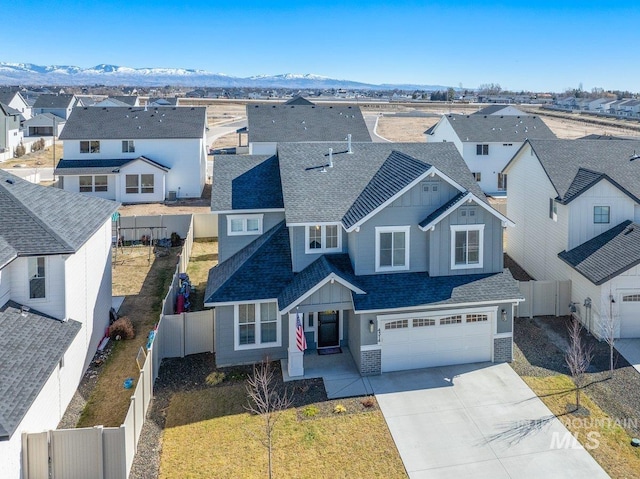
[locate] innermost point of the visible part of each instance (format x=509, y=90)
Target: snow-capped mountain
x=104, y=74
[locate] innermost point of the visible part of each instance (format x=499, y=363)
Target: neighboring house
x=60, y=105
x=118, y=100
x=43, y=125
x=14, y=99
x=388, y=249
x=270, y=124
x=135, y=155
x=299, y=100
x=171, y=101
x=10, y=132
x=488, y=142
x=576, y=205
x=500, y=110
x=55, y=296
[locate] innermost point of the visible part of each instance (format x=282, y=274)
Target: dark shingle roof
x=134, y=123
x=54, y=101
x=397, y=172
x=127, y=99
x=400, y=290
x=574, y=165
x=172, y=101
x=298, y=100
x=246, y=183
x=449, y=204
x=491, y=109
x=311, y=195
x=31, y=345
x=7, y=94
x=259, y=271
x=497, y=128
x=338, y=264
x=7, y=253
x=593, y=136
x=608, y=254
x=42, y=220
x=93, y=167
x=275, y=123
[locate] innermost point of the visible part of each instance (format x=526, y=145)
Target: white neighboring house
x=488, y=142
x=576, y=206
x=10, y=132
x=55, y=296
x=43, y=124
x=14, y=99
x=135, y=155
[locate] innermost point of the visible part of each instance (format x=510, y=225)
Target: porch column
x=295, y=365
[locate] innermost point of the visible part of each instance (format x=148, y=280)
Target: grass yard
x=204, y=256
x=42, y=158
x=208, y=434
x=144, y=284
x=614, y=451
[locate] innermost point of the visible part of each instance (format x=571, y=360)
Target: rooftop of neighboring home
x=298, y=100
x=304, y=123
x=574, y=166
x=129, y=100
x=491, y=109
x=61, y=100
x=100, y=167
x=498, y=128
x=105, y=123
x=171, y=101
x=7, y=94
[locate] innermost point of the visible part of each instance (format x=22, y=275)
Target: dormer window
x=323, y=239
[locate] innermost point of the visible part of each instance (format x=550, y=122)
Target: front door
x=328, y=329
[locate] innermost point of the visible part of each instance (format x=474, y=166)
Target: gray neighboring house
x=60, y=104
x=157, y=101
x=505, y=110
x=10, y=132
x=390, y=250
x=14, y=99
x=301, y=122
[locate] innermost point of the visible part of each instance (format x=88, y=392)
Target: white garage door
x=427, y=340
x=630, y=315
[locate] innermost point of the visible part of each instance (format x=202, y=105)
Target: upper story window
x=601, y=214
x=477, y=176
x=466, y=246
x=37, y=277
x=238, y=225
x=256, y=326
x=553, y=209
x=502, y=182
x=323, y=239
x=128, y=146
x=92, y=146
x=482, y=149
x=392, y=248
x=90, y=184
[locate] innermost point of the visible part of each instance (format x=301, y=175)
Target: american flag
x=301, y=341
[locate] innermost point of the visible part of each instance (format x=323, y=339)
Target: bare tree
x=578, y=356
x=268, y=401
x=608, y=326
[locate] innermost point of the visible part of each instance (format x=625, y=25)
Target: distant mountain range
x=113, y=75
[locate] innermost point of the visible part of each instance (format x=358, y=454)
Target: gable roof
x=313, y=196
x=246, y=183
x=107, y=166
x=277, y=123
x=8, y=94
x=127, y=99
x=573, y=166
x=493, y=109
x=61, y=100
x=39, y=220
x=298, y=100
x=171, y=101
x=607, y=255
x=7, y=253
x=107, y=102
x=44, y=119
x=133, y=123
x=31, y=346
x=498, y=128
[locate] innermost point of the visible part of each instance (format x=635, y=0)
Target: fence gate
x=544, y=298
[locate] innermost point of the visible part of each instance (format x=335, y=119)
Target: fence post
x=135, y=435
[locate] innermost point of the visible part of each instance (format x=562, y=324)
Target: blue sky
x=534, y=45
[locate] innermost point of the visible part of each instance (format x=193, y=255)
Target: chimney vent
x=330, y=157
x=349, y=150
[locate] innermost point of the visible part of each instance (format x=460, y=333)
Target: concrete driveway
x=479, y=421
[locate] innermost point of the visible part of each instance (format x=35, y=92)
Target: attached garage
x=629, y=311
x=428, y=339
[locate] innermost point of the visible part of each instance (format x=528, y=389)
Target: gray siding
x=440, y=254
x=367, y=338
x=299, y=259
x=224, y=342
x=353, y=328
x=505, y=326
x=230, y=245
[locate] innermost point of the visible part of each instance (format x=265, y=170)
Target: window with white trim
x=90, y=146
x=467, y=246
x=256, y=325
x=482, y=150
x=128, y=146
x=90, y=184
x=502, y=182
x=37, y=277
x=601, y=214
x=323, y=239
x=477, y=176
x=240, y=225
x=392, y=248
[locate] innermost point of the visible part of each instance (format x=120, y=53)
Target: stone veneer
x=502, y=351
x=370, y=362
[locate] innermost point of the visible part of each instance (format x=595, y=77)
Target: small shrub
x=237, y=375
x=19, y=151
x=175, y=239
x=37, y=145
x=339, y=409
x=122, y=329
x=368, y=402
x=215, y=377
x=310, y=411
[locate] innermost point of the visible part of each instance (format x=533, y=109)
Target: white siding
x=141, y=168
x=54, y=302
x=5, y=284
x=489, y=165
x=72, y=183
x=445, y=132
x=263, y=148
x=581, y=225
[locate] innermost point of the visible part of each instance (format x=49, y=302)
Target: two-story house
x=488, y=142
x=135, y=154
x=576, y=205
x=55, y=296
x=388, y=249
x=14, y=99
x=10, y=132
x=59, y=104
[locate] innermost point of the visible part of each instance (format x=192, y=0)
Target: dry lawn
x=144, y=284
x=572, y=129
x=614, y=451
x=204, y=256
x=209, y=434
x=42, y=158
x=221, y=113
x=404, y=129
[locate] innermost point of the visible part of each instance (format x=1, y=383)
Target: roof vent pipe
x=349, y=150
x=330, y=157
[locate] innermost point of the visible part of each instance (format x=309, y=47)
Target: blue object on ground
x=128, y=383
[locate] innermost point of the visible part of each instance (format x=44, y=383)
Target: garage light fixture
x=371, y=326
x=503, y=314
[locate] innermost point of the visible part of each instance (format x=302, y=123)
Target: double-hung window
x=466, y=246
x=132, y=184
x=482, y=149
x=323, y=239
x=37, y=277
x=392, y=248
x=238, y=225
x=128, y=146
x=89, y=184
x=257, y=325
x=90, y=146
x=139, y=184
x=601, y=214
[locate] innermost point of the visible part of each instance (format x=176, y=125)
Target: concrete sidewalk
x=630, y=350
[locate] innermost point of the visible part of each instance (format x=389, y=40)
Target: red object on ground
x=180, y=304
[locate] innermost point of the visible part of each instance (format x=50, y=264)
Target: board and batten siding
x=230, y=245
x=299, y=259
x=535, y=240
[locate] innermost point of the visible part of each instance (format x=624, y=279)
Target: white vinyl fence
x=108, y=452
x=544, y=298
